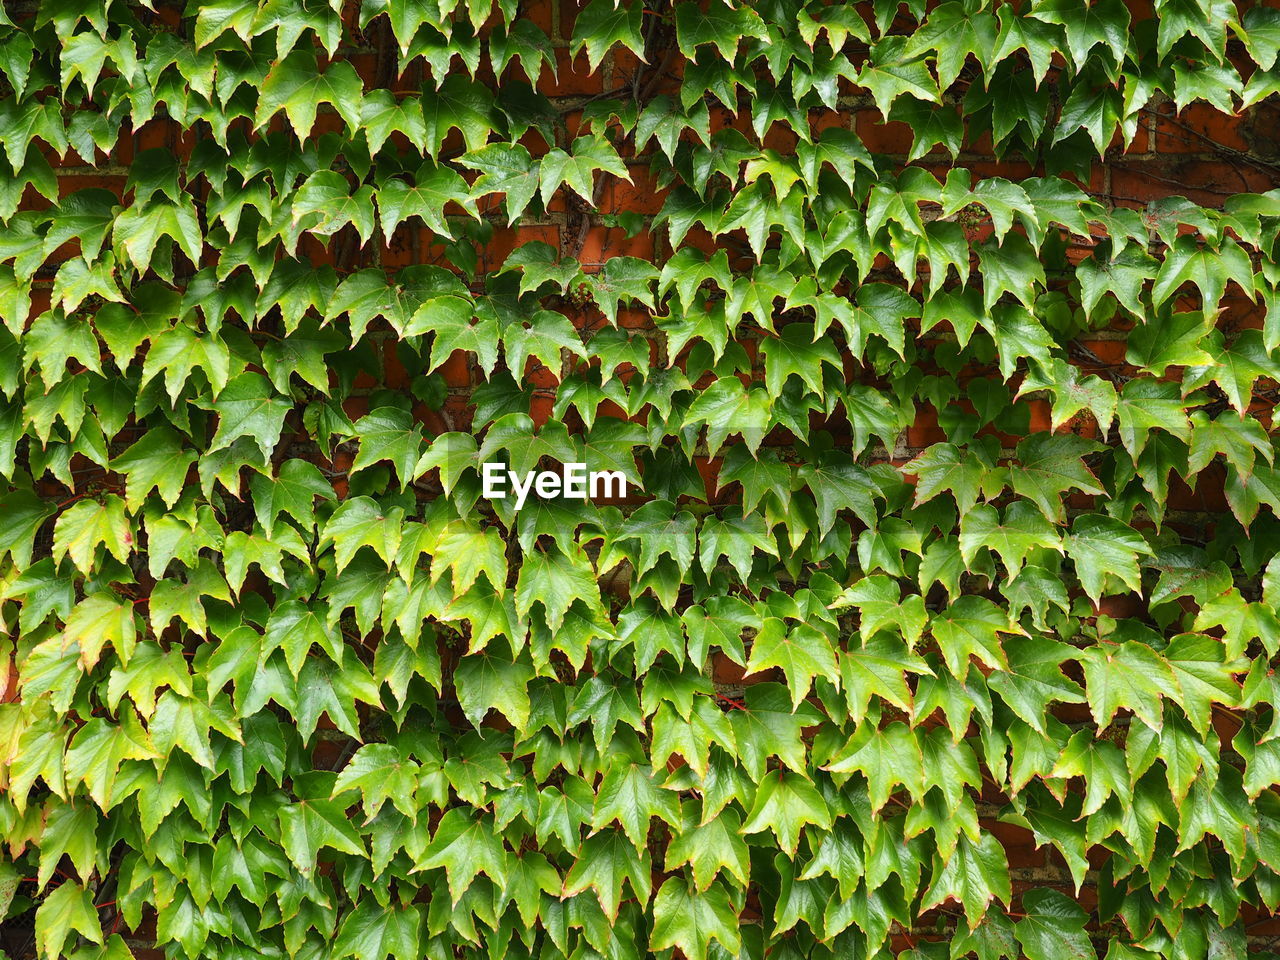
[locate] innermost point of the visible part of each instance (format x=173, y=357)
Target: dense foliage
x=276, y=277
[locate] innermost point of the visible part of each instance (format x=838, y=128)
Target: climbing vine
x=950, y=533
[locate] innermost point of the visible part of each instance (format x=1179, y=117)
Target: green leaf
x=85, y=525
x=1130, y=675
x=1103, y=547
x=971, y=627
x=973, y=876
x=692, y=921
x=68, y=907
x=802, y=653
x=373, y=932
x=486, y=681
x=1053, y=927
x=465, y=847
x=249, y=407
x=601, y=24
x=605, y=863
x=718, y=24
x=297, y=86
x=309, y=826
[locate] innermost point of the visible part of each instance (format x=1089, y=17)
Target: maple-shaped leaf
x=973, y=876
x=878, y=669
x=156, y=461
x=1102, y=546
x=249, y=407
x=1204, y=676
x=709, y=848
x=83, y=526
x=891, y=72
x=601, y=24
x=297, y=86
x=605, y=862
x=1052, y=927
x=325, y=204
x=837, y=483
x=631, y=795
x=737, y=538
x=577, y=168
x=1072, y=393
x=1209, y=270
x=1012, y=537
x=771, y=726
x=1128, y=674
x=458, y=104
x=487, y=681
x=971, y=627
x=291, y=492
x=1106, y=23
x=374, y=932
x=719, y=24
x=1035, y=679
x=1047, y=466
x=802, y=653
x=880, y=604
x=67, y=907
x=784, y=803
x=389, y=433
x=554, y=580
x=506, y=169
x=887, y=757
x=1145, y=405
x=728, y=408
x=465, y=846
x=692, y=920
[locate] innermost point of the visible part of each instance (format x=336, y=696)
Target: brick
x=881, y=137
x=603, y=243
x=1199, y=129
x=1019, y=843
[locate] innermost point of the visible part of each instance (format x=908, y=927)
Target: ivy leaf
x=291, y=492
x=1047, y=466
x=944, y=466
x=601, y=24
x=783, y=805
x=156, y=462
x=692, y=921
x=718, y=24
x=710, y=848
x=971, y=627
x=249, y=407
x=1130, y=675
x=1053, y=927
x=605, y=863
x=887, y=757
x=465, y=847
x=727, y=408
x=1102, y=546
x=68, y=907
x=630, y=794
x=555, y=580
x=297, y=86
x=1013, y=537
x=1035, y=679
x=85, y=525
x=372, y=932
x=973, y=876
x=802, y=653
x=391, y=434
x=1106, y=22
x=486, y=681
